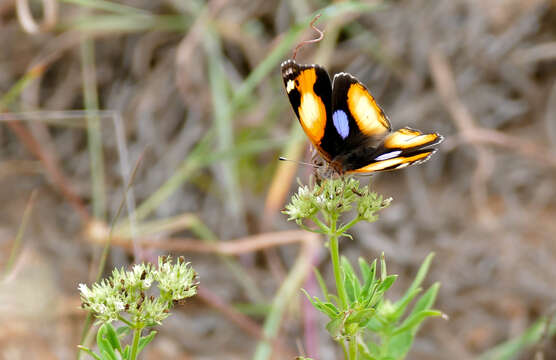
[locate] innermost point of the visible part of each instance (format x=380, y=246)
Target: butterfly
x=346, y=125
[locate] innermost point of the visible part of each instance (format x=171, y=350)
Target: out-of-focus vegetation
x=176, y=109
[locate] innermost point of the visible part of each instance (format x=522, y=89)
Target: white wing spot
x=290, y=86
x=389, y=155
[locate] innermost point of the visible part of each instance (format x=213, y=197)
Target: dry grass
x=196, y=88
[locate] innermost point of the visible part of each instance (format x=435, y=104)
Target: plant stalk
x=352, y=340
x=135, y=344
x=335, y=255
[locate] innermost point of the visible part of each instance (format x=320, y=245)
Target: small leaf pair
x=109, y=344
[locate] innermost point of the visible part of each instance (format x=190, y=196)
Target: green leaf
x=325, y=307
x=106, y=350
x=345, y=234
x=335, y=327
x=411, y=324
x=112, y=337
x=400, y=345
x=368, y=272
x=104, y=346
x=329, y=309
x=145, y=340
x=386, y=283
x=376, y=324
x=125, y=354
x=400, y=306
x=361, y=316
x=351, y=282
x=347, y=268
x=421, y=273
x=367, y=296
x=364, y=353
x=427, y=300
x=88, y=351
x=382, y=267
x=105, y=355
x=312, y=299
x=403, y=336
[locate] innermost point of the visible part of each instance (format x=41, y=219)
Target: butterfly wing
x=310, y=90
x=369, y=145
x=398, y=150
x=355, y=113
x=359, y=121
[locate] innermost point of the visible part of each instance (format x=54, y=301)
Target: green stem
x=320, y=224
x=346, y=355
x=352, y=340
x=125, y=321
x=306, y=228
x=135, y=344
x=335, y=255
x=384, y=343
x=347, y=226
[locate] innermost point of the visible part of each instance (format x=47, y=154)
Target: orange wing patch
x=369, y=116
x=394, y=163
x=312, y=112
x=408, y=138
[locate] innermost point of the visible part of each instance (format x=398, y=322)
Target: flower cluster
x=127, y=291
x=175, y=281
x=333, y=197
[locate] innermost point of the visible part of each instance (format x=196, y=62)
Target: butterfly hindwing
x=399, y=149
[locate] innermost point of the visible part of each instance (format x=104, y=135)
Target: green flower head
x=125, y=294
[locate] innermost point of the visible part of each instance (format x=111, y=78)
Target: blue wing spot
x=341, y=123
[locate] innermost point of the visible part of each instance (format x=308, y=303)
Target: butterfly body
x=346, y=125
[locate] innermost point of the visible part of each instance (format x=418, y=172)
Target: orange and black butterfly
x=346, y=125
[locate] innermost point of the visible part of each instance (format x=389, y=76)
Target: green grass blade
x=94, y=135
x=511, y=348
x=223, y=122
x=108, y=24
x=18, y=238
x=284, y=295
x=18, y=87
x=107, y=6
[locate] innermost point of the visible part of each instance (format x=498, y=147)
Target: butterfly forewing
x=352, y=100
x=309, y=90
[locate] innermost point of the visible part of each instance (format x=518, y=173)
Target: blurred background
x=184, y=101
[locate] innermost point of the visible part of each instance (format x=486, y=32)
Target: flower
x=127, y=292
x=333, y=197
x=176, y=280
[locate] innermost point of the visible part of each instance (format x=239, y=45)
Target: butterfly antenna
x=281, y=158
x=321, y=36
